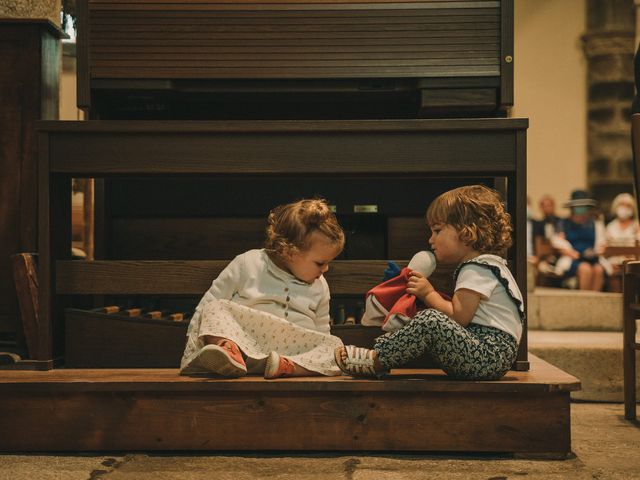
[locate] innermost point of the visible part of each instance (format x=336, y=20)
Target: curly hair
x=290, y=226
x=478, y=215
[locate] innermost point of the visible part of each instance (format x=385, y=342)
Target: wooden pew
x=527, y=412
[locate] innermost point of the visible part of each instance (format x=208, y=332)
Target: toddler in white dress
x=268, y=310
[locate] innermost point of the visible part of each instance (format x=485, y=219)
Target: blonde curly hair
x=290, y=226
x=478, y=215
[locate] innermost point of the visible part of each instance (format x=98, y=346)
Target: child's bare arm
x=461, y=308
x=465, y=303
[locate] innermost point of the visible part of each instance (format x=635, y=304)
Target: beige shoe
x=221, y=359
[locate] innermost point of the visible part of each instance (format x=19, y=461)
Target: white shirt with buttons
x=253, y=280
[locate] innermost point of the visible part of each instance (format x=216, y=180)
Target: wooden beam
x=188, y=277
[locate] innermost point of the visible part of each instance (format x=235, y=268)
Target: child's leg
x=279, y=366
x=475, y=352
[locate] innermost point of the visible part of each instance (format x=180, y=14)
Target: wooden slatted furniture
x=631, y=295
x=156, y=409
x=433, y=152
x=143, y=59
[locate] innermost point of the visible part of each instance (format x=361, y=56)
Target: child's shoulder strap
x=498, y=267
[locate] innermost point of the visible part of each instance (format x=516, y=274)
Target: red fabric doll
x=388, y=304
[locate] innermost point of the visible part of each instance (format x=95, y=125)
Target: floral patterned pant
x=476, y=352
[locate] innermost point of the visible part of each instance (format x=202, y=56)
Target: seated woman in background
x=580, y=240
x=623, y=230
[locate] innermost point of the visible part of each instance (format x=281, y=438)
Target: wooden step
x=411, y=410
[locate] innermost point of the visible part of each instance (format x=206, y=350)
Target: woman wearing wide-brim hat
x=580, y=240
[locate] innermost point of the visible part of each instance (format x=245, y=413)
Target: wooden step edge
x=543, y=377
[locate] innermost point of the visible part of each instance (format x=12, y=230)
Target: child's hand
x=419, y=286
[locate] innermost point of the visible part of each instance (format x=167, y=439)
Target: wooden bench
x=527, y=412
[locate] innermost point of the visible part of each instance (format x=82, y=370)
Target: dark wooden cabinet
x=29, y=54
x=253, y=164
x=294, y=59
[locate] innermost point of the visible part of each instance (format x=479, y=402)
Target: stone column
x=609, y=46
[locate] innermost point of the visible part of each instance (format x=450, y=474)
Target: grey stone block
x=593, y=357
x=561, y=309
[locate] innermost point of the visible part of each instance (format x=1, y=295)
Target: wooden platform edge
x=111, y=410
x=542, y=377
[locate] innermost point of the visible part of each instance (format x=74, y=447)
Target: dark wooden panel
x=188, y=277
x=124, y=26
x=295, y=72
x=184, y=21
x=252, y=197
x=11, y=157
x=406, y=236
x=395, y=421
x=290, y=126
x=184, y=238
x=193, y=277
x=183, y=151
x=209, y=41
x=28, y=92
x=94, y=340
x=506, y=53
x=242, y=5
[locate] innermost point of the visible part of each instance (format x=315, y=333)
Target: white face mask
x=624, y=213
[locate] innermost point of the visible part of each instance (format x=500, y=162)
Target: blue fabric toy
x=392, y=270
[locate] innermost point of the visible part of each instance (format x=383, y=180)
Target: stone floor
x=605, y=446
